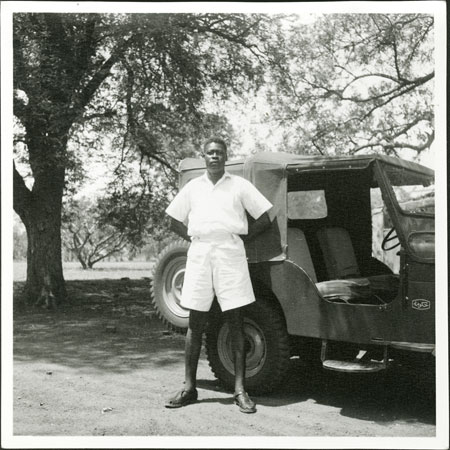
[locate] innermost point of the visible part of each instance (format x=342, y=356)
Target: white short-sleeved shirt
x=207, y=208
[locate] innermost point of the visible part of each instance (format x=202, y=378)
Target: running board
x=354, y=366
x=357, y=365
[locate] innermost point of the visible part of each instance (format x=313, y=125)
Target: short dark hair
x=216, y=140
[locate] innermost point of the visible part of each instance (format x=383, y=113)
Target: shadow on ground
x=105, y=325
x=402, y=393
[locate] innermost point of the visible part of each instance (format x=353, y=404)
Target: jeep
x=344, y=277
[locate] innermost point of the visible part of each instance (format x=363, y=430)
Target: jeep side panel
x=415, y=313
x=308, y=314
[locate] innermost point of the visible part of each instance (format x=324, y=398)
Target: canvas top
x=287, y=161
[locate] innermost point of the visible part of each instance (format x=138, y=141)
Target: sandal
x=245, y=403
x=182, y=398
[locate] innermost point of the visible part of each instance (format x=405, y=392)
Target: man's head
x=215, y=155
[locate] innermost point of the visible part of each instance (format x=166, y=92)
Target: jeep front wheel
x=266, y=346
x=167, y=281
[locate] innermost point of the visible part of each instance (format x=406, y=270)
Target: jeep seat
x=371, y=290
x=338, y=253
x=346, y=283
x=298, y=252
x=357, y=290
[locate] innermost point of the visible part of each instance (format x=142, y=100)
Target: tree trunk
x=80, y=259
x=40, y=211
x=45, y=284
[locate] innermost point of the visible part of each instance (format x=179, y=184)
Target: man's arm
x=257, y=227
x=179, y=228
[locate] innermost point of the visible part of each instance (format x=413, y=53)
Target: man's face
x=215, y=157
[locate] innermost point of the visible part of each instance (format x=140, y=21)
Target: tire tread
x=159, y=265
x=268, y=381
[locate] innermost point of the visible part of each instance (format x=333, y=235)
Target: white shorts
x=216, y=265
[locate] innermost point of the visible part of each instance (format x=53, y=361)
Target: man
x=211, y=211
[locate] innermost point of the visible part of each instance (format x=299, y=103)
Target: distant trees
x=19, y=243
x=83, y=235
x=123, y=218
x=349, y=83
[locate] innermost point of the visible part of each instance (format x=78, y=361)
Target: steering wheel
x=389, y=238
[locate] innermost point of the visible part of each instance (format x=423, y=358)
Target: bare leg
x=236, y=324
x=193, y=345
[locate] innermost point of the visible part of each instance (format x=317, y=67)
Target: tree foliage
x=130, y=81
x=356, y=82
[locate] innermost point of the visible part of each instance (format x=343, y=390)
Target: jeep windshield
x=414, y=194
x=414, y=191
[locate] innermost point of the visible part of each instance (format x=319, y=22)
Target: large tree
x=71, y=69
x=349, y=83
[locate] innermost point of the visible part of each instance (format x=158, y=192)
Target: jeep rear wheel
x=266, y=346
x=167, y=281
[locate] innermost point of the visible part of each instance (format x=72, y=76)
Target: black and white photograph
x=218, y=225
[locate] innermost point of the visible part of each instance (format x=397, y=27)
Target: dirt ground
x=104, y=365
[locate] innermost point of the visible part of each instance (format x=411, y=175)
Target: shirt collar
x=224, y=176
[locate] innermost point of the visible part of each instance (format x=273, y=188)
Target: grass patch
x=102, y=270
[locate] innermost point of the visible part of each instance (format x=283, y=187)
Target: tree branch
x=104, y=242
x=399, y=93
x=362, y=147
x=418, y=148
x=119, y=245
x=316, y=146
x=397, y=68
x=107, y=115
x=89, y=90
x=230, y=38
x=419, y=41
x=407, y=127
x=111, y=252
x=163, y=162
x=403, y=83
x=391, y=147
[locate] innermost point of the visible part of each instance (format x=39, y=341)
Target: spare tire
x=167, y=281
